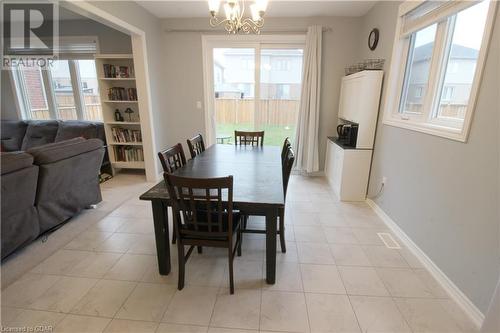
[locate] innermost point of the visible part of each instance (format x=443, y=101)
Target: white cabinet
x=359, y=103
x=347, y=171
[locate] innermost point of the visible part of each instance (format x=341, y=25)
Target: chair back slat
x=249, y=138
x=172, y=158
x=196, y=145
x=287, y=168
x=205, y=204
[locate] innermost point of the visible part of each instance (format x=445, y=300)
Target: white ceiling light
x=234, y=10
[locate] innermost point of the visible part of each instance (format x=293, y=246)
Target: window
x=63, y=90
x=90, y=90
x=66, y=90
x=417, y=70
x=30, y=81
x=438, y=58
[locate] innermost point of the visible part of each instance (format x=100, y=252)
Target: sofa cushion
x=12, y=134
x=62, y=150
x=76, y=128
x=14, y=161
x=40, y=132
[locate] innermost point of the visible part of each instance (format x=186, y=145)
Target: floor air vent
x=388, y=240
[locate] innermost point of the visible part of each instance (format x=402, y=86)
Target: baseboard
x=453, y=291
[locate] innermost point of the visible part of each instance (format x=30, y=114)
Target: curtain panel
x=307, y=136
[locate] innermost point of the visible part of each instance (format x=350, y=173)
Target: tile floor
x=98, y=273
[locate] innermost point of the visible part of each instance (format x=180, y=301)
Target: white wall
x=444, y=194
x=184, y=78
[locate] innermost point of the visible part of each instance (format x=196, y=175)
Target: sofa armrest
x=63, y=150
x=15, y=161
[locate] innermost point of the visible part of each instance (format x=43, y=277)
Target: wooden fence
x=270, y=112
x=67, y=110
x=445, y=110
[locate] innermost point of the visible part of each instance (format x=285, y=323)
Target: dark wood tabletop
x=256, y=172
x=257, y=190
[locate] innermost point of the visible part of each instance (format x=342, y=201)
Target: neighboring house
x=281, y=73
x=461, y=68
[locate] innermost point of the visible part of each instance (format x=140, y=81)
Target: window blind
x=431, y=12
x=77, y=47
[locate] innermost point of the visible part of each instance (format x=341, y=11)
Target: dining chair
x=172, y=159
x=203, y=218
x=196, y=145
x=249, y=138
x=286, y=144
x=286, y=170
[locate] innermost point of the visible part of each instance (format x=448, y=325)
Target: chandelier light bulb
x=255, y=12
x=261, y=5
x=213, y=6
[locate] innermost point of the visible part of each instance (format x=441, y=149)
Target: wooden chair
x=206, y=219
x=172, y=159
x=249, y=138
x=196, y=145
x=286, y=171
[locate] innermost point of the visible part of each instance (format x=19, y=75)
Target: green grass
x=274, y=134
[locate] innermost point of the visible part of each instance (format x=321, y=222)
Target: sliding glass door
x=280, y=86
x=255, y=87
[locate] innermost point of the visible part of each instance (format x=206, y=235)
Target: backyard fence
x=269, y=112
x=67, y=110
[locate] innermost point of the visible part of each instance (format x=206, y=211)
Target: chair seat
x=204, y=233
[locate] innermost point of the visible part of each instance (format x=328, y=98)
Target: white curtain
x=306, y=138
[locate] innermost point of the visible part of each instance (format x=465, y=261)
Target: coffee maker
x=348, y=134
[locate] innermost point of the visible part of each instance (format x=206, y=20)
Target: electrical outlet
x=384, y=180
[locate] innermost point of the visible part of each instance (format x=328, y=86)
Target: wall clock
x=373, y=39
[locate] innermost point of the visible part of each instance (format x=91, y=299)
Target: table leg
x=160, y=219
x=271, y=246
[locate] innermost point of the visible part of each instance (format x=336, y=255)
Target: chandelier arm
x=250, y=25
x=215, y=21
x=242, y=12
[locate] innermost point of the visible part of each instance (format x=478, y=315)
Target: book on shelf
x=124, y=135
x=122, y=94
x=113, y=71
x=129, y=154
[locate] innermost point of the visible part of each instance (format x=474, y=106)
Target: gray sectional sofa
x=49, y=172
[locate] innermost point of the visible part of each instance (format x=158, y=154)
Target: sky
x=468, y=28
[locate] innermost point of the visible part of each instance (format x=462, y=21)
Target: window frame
x=426, y=122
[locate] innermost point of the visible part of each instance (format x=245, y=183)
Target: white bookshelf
x=109, y=106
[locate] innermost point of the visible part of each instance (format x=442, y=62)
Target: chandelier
x=235, y=22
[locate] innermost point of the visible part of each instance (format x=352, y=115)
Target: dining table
x=257, y=191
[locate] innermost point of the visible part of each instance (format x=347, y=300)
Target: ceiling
x=276, y=8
